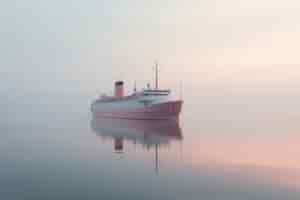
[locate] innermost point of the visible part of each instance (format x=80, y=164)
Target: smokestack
x=119, y=89
x=118, y=144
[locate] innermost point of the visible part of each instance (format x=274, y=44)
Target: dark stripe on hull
x=168, y=110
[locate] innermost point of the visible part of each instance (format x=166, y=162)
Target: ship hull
x=158, y=111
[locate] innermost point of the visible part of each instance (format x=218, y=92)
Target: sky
x=62, y=45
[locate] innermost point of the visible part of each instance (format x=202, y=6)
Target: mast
x=134, y=87
x=156, y=75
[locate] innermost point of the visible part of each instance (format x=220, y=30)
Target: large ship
x=147, y=104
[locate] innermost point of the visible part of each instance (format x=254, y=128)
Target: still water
x=224, y=147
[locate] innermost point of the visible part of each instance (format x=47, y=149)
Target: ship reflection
x=148, y=133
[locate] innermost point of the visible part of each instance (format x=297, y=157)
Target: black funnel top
x=119, y=83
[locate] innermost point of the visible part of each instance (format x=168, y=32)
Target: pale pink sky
x=82, y=44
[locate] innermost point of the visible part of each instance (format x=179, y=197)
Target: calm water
x=225, y=147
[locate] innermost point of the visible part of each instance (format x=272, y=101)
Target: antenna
x=180, y=90
x=156, y=75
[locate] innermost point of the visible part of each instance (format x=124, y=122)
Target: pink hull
x=168, y=110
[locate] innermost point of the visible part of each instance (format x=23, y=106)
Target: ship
x=147, y=104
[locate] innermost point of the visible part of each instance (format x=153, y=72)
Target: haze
x=68, y=46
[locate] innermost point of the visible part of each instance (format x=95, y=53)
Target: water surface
x=224, y=147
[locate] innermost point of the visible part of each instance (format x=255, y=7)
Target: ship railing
x=156, y=92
